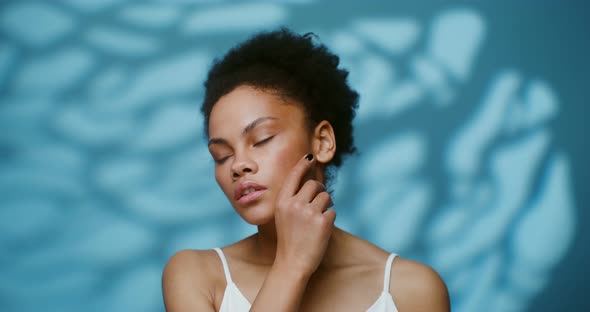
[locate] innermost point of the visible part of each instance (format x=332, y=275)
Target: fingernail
x=309, y=157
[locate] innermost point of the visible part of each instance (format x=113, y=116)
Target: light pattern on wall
x=105, y=174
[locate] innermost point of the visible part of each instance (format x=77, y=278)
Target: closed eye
x=221, y=160
x=259, y=143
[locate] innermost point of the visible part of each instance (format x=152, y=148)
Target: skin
x=298, y=260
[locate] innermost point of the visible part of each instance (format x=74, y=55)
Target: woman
x=278, y=117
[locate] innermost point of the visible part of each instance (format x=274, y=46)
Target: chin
x=257, y=220
x=257, y=215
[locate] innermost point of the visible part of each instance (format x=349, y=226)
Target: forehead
x=237, y=109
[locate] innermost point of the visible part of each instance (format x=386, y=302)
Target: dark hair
x=292, y=65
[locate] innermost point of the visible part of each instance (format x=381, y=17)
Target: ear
x=324, y=142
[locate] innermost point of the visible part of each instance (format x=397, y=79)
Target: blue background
x=471, y=131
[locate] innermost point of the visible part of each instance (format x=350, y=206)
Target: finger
x=330, y=215
x=309, y=190
x=293, y=179
x=322, y=202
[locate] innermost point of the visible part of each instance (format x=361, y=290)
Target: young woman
x=278, y=117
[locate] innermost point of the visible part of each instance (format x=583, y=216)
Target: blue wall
x=470, y=130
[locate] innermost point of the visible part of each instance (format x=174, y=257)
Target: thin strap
x=388, y=272
x=225, y=266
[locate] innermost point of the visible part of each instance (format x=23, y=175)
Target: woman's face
x=256, y=138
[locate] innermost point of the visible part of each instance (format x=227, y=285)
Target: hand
x=303, y=220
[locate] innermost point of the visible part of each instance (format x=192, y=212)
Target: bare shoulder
x=417, y=287
x=189, y=279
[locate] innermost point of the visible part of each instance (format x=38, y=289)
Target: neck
x=265, y=245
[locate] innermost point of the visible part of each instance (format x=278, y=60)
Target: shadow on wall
x=105, y=175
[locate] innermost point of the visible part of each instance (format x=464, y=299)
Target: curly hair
x=294, y=67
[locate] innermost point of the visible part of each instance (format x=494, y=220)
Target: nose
x=243, y=165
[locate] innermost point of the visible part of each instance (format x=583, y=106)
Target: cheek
x=222, y=180
x=284, y=157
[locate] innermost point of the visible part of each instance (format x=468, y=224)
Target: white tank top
x=234, y=301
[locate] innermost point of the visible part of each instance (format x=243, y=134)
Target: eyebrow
x=245, y=131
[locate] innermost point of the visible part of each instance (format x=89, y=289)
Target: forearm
x=282, y=290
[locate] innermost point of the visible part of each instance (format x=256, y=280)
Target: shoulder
x=189, y=279
x=417, y=287
x=190, y=263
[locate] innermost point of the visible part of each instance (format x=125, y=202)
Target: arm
x=304, y=225
x=282, y=290
x=185, y=283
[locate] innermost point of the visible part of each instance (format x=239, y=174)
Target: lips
x=248, y=190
